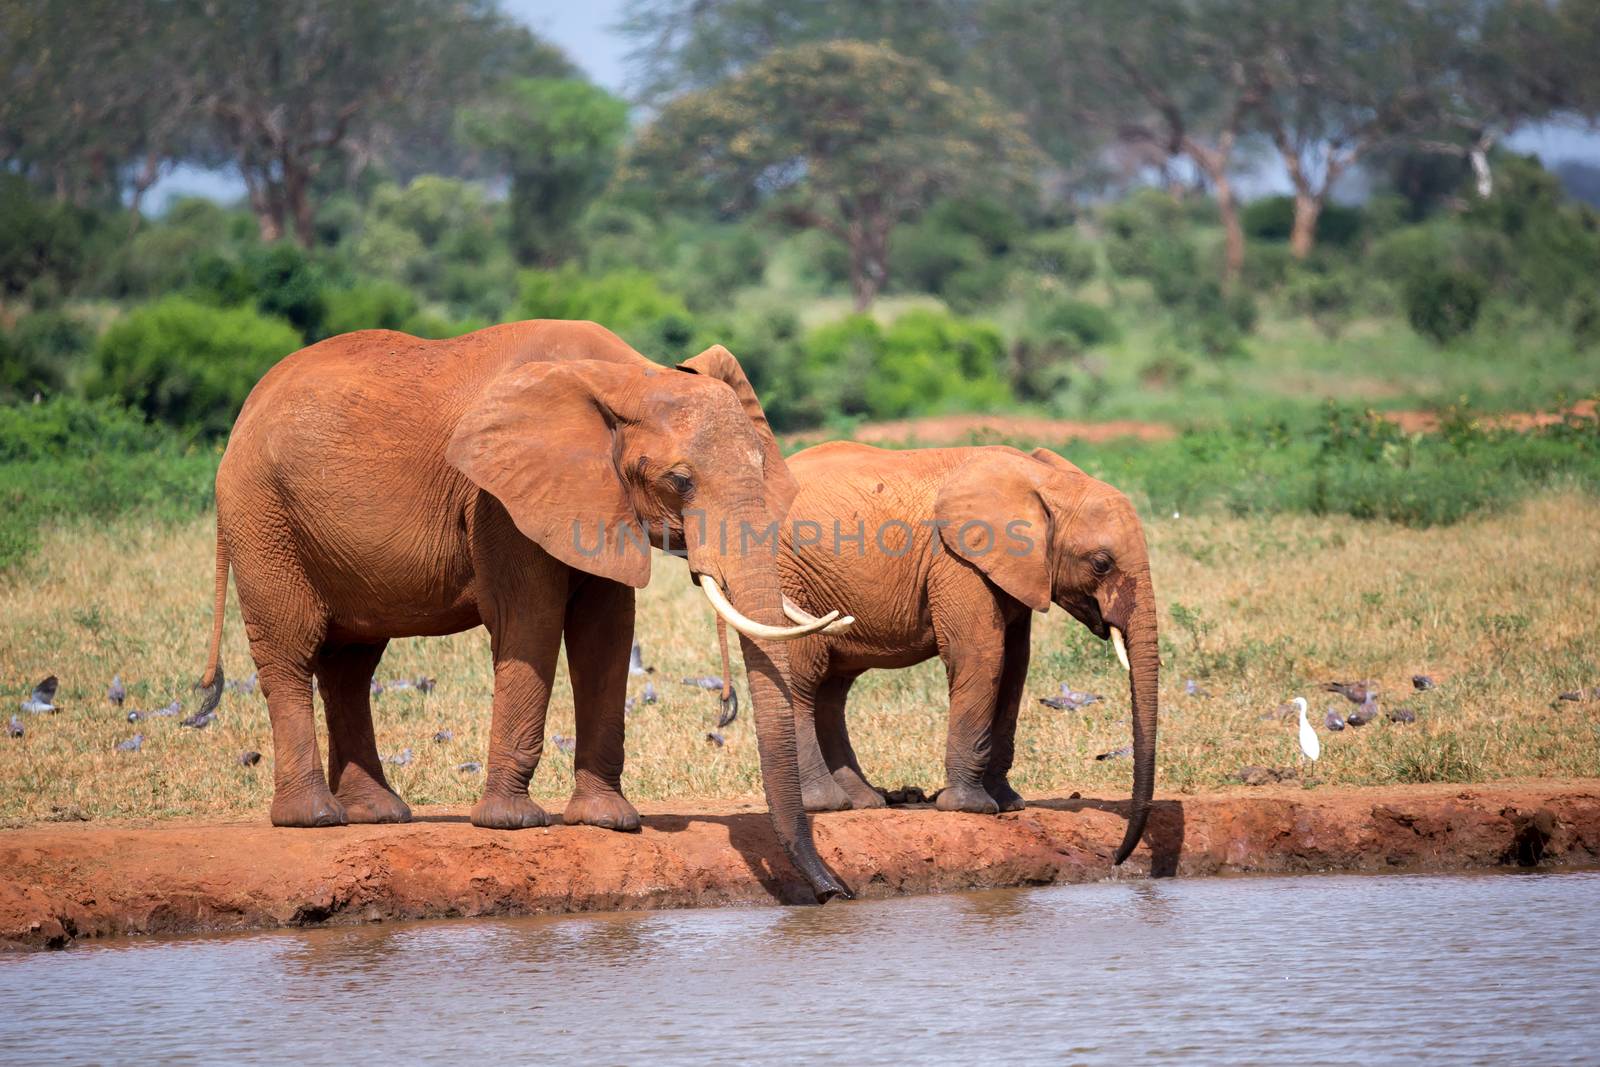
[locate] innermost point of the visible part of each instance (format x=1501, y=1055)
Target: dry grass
x=1501, y=611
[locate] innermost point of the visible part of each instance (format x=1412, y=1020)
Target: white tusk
x=798, y=614
x=759, y=631
x=1121, y=646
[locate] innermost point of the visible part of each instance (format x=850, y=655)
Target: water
x=1272, y=970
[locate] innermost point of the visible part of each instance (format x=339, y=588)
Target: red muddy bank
x=65, y=883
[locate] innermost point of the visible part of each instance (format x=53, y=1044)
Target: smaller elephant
x=948, y=552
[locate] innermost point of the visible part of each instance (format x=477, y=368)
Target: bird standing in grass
x=1310, y=744
x=42, y=701
x=116, y=693
x=14, y=728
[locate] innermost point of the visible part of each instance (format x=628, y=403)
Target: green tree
x=845, y=137
x=558, y=140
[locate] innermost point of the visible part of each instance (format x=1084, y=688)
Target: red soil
x=939, y=430
x=1521, y=421
x=64, y=883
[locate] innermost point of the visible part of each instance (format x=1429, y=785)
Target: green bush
x=1326, y=299
x=377, y=305
x=67, y=458
x=187, y=364
x=39, y=355
x=995, y=226
x=923, y=258
x=629, y=302
x=925, y=362
x=287, y=284
x=1060, y=254
x=977, y=286
x=1443, y=304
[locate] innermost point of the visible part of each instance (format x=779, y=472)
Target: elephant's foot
x=310, y=806
x=610, y=810
x=861, y=792
x=498, y=811
x=1008, y=799
x=365, y=800
x=971, y=798
x=824, y=794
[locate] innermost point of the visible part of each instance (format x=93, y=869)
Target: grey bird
x=14, y=728
x=116, y=694
x=199, y=720
x=377, y=687
x=1402, y=715
x=627, y=706
x=1579, y=696
x=171, y=709
x=649, y=696
x=1116, y=753
x=400, y=759
x=443, y=736
x=134, y=715
x=565, y=744
x=469, y=767
x=424, y=684
x=42, y=701
x=705, y=681
x=715, y=738
x=1366, y=712
x=636, y=661
x=131, y=744
x=1354, y=692
x=250, y=758
x=1334, y=722
x=1070, y=699
x=241, y=685
x=1192, y=688
x=1420, y=682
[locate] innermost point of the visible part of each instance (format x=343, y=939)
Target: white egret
x=1310, y=744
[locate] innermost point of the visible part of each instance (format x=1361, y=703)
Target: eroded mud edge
x=60, y=884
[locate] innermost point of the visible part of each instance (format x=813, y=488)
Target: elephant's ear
x=991, y=513
x=540, y=438
x=1044, y=455
x=717, y=362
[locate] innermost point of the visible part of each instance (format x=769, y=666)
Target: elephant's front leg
x=599, y=634
x=525, y=635
x=1013, y=675
x=971, y=639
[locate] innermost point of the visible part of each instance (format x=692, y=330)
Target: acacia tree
x=1337, y=81
x=558, y=139
x=1165, y=78
x=844, y=137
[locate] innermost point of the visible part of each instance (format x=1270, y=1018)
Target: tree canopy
x=845, y=137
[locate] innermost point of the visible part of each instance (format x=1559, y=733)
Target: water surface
x=1267, y=970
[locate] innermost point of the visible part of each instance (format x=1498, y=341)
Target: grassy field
x=1499, y=609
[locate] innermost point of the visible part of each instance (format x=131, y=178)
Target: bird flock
x=42, y=701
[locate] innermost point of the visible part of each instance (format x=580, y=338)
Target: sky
x=584, y=29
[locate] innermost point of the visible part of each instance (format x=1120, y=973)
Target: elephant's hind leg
x=285, y=623
x=599, y=634
x=355, y=772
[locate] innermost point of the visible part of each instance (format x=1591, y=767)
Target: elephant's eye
x=681, y=483
x=1100, y=563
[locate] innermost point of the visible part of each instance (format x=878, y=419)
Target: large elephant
x=377, y=486
x=948, y=552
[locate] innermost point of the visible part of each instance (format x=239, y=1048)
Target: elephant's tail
x=210, y=683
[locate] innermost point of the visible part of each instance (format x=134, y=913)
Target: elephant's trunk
x=1143, y=679
x=753, y=586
